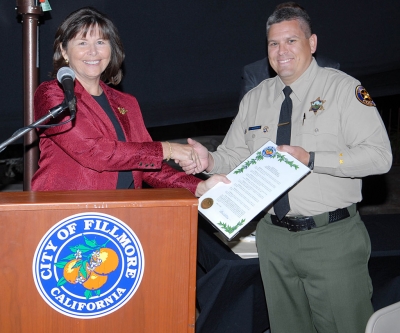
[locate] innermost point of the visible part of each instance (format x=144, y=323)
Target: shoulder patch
x=363, y=96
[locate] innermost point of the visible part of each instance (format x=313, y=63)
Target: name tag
x=254, y=128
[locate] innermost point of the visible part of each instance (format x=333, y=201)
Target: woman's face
x=88, y=56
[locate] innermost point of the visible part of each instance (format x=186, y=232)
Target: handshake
x=193, y=157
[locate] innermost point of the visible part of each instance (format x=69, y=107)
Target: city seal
x=88, y=265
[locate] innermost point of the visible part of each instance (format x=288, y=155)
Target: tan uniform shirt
x=348, y=137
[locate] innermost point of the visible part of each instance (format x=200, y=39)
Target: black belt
x=302, y=223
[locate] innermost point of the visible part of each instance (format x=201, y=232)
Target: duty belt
x=302, y=223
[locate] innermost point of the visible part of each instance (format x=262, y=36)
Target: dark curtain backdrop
x=184, y=58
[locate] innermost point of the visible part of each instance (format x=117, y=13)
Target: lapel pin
x=122, y=110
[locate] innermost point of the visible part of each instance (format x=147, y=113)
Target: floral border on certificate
x=230, y=229
x=269, y=152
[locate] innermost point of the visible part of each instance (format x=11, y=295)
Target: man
x=254, y=73
x=313, y=260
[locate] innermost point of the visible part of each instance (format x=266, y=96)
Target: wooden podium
x=164, y=220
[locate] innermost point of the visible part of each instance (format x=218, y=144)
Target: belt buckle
x=308, y=223
x=292, y=228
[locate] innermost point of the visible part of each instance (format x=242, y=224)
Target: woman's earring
x=66, y=61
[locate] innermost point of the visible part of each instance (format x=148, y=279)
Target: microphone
x=66, y=77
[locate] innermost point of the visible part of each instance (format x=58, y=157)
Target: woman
x=107, y=145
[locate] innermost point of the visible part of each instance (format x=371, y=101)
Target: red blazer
x=85, y=153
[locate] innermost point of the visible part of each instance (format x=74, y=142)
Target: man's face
x=289, y=51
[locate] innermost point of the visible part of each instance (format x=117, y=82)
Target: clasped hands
x=186, y=155
x=194, y=158
x=199, y=163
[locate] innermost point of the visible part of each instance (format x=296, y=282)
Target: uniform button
x=253, y=136
x=316, y=130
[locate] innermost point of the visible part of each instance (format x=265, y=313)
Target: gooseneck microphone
x=66, y=77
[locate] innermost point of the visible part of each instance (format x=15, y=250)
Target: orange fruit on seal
x=109, y=261
x=95, y=281
x=71, y=273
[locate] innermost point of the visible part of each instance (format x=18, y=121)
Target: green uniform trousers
x=316, y=280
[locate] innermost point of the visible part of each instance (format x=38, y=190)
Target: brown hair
x=289, y=11
x=81, y=21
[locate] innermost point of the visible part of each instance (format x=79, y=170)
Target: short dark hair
x=289, y=11
x=81, y=21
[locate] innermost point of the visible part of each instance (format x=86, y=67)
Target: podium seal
x=88, y=265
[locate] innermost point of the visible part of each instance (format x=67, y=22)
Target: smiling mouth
x=285, y=61
x=93, y=62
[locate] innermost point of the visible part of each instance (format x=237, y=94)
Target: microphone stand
x=53, y=113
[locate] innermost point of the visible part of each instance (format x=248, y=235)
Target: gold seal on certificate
x=207, y=203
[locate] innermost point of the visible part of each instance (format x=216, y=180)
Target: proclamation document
x=255, y=184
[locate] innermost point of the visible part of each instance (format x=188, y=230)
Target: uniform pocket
x=257, y=138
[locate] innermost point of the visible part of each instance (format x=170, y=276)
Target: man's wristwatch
x=311, y=160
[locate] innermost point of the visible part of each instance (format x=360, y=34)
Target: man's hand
x=205, y=185
x=193, y=167
x=297, y=152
